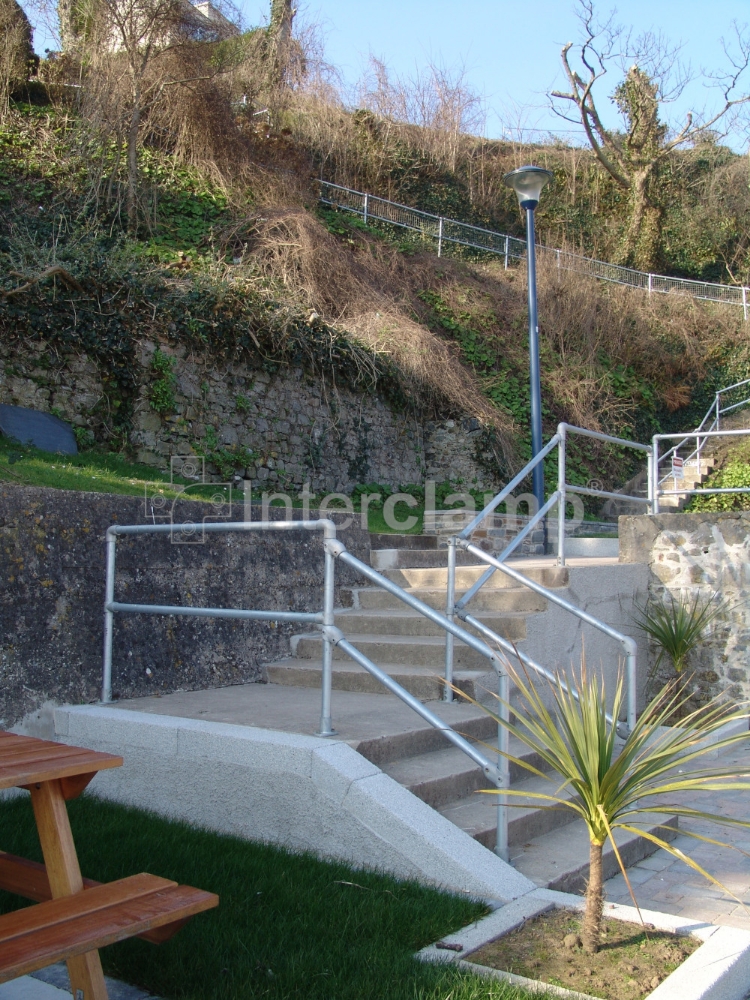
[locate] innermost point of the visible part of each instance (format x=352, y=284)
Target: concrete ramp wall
x=300, y=792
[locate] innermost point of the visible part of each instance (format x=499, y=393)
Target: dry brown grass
x=368, y=288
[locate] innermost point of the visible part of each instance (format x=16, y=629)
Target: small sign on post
x=678, y=467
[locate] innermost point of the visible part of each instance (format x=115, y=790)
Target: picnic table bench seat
x=57, y=929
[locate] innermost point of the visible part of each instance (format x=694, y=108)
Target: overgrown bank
x=290, y=348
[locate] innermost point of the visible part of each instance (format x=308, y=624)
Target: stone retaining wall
x=289, y=428
x=705, y=555
x=52, y=554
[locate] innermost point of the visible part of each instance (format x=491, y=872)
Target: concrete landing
x=357, y=718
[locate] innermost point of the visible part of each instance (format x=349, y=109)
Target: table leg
x=65, y=879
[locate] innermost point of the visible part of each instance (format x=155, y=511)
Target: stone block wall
x=705, y=555
x=52, y=565
x=289, y=428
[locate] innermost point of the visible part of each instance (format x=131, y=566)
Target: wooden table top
x=25, y=760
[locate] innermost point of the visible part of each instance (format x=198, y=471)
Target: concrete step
x=549, y=575
x=473, y=723
x=383, y=559
x=443, y=777
x=404, y=622
x=488, y=599
x=421, y=651
x=477, y=814
x=388, y=541
x=560, y=859
x=424, y=682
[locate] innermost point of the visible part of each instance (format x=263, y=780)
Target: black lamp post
x=528, y=182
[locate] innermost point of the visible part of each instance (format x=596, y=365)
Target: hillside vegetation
x=229, y=254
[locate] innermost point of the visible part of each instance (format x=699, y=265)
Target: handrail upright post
x=327, y=651
x=655, y=463
x=651, y=480
x=109, y=596
x=450, y=611
x=503, y=766
x=718, y=410
x=631, y=672
x=561, y=459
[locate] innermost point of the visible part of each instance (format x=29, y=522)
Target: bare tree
x=16, y=52
x=135, y=51
x=439, y=100
x=633, y=155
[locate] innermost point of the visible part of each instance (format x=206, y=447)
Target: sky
x=510, y=49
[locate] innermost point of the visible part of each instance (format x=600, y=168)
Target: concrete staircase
x=695, y=475
x=548, y=846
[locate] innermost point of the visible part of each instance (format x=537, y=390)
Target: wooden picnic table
x=74, y=916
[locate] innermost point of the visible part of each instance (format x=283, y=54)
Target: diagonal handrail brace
x=629, y=644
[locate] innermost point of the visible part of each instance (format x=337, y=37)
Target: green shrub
x=734, y=475
x=161, y=396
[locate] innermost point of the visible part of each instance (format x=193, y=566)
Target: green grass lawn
x=103, y=472
x=287, y=926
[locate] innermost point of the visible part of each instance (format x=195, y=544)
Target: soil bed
x=631, y=962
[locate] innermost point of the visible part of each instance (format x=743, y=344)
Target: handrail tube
x=603, y=493
x=326, y=683
x=728, y=409
x=679, y=493
x=703, y=434
x=414, y=703
x=728, y=388
x=192, y=612
x=450, y=602
x=323, y=523
x=562, y=452
x=539, y=516
x=507, y=550
x=507, y=490
x=585, y=432
x=627, y=642
x=435, y=616
x=523, y=657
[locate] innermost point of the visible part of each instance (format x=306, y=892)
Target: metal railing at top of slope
x=655, y=488
x=714, y=414
x=331, y=636
x=444, y=230
x=456, y=608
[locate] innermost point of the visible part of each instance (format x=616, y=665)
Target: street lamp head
x=528, y=182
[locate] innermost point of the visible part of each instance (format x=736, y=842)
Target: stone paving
x=661, y=882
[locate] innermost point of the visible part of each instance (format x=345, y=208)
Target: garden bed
x=631, y=962
x=717, y=966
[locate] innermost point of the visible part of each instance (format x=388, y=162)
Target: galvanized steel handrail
x=511, y=247
x=112, y=607
x=332, y=636
x=715, y=413
x=558, y=499
x=629, y=644
x=655, y=490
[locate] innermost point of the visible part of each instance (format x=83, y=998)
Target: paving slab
x=661, y=882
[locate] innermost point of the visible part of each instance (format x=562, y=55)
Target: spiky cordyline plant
x=622, y=790
x=677, y=627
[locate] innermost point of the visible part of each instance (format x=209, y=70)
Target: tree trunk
x=642, y=239
x=592, y=917
x=132, y=192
